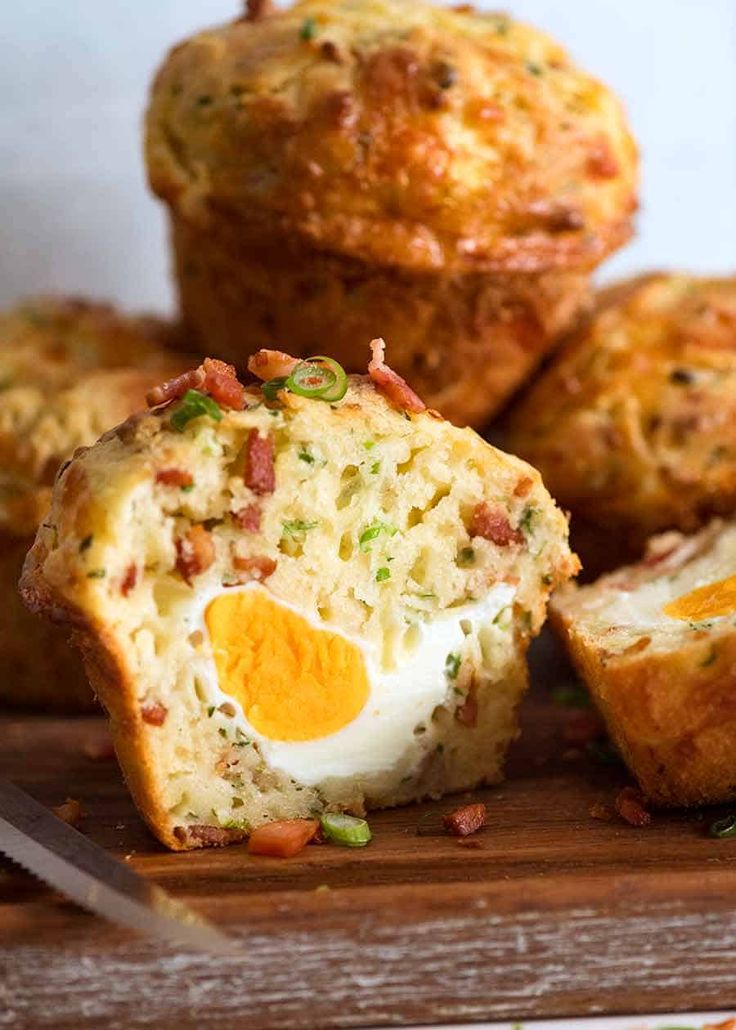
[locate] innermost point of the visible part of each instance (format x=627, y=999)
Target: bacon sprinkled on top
x=174, y=477
x=248, y=518
x=629, y=804
x=391, y=385
x=268, y=364
x=257, y=9
x=129, y=580
x=493, y=524
x=259, y=474
x=172, y=389
x=154, y=714
x=195, y=552
x=257, y=568
x=466, y=820
x=221, y=383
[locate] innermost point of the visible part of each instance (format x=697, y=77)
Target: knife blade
x=71, y=863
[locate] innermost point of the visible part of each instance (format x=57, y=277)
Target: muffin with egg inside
x=656, y=645
x=633, y=423
x=69, y=369
x=305, y=595
x=447, y=175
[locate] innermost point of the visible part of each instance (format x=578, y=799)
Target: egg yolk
x=706, y=602
x=294, y=682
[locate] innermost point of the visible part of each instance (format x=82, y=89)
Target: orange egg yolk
x=293, y=681
x=706, y=602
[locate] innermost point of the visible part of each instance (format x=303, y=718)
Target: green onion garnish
x=308, y=29
x=193, y=405
x=271, y=387
x=297, y=527
x=345, y=830
x=320, y=378
x=382, y=575
x=373, y=531
x=722, y=828
x=452, y=665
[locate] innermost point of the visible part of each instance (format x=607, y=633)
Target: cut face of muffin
x=656, y=646
x=633, y=425
x=309, y=595
x=446, y=174
x=69, y=369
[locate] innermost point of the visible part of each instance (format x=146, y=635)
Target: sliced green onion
x=193, y=405
x=345, y=830
x=722, y=828
x=340, y=388
x=452, y=665
x=271, y=387
x=373, y=531
x=320, y=378
x=382, y=575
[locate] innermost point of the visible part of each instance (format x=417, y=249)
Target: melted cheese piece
x=707, y=602
x=293, y=681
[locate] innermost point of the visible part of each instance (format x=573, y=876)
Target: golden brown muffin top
x=634, y=423
x=69, y=369
x=397, y=132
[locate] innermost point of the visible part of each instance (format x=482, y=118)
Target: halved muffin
x=633, y=424
x=306, y=595
x=69, y=369
x=447, y=176
x=656, y=645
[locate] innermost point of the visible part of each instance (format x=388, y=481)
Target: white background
x=76, y=216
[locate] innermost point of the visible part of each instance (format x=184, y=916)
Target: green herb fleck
x=194, y=405
x=188, y=488
x=372, y=532
x=345, y=830
x=466, y=557
x=527, y=519
x=572, y=695
x=375, y=468
x=86, y=544
x=604, y=752
x=383, y=574
x=547, y=579
x=533, y=68
x=271, y=387
x=723, y=828
x=308, y=30
x=210, y=711
x=369, y=444
x=97, y=574
x=297, y=527
x=306, y=455
x=222, y=731
x=710, y=657
x=452, y=665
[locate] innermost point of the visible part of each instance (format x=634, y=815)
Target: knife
x=71, y=863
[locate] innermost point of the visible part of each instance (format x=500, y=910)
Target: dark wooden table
x=548, y=912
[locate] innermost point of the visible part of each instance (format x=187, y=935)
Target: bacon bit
x=283, y=838
x=493, y=524
x=222, y=384
x=602, y=162
x=601, y=811
x=466, y=820
x=71, y=812
x=330, y=51
x=174, y=388
x=583, y=728
x=523, y=487
x=257, y=9
x=391, y=385
x=202, y=836
x=154, y=714
x=248, y=518
x=467, y=713
x=98, y=750
x=129, y=580
x=174, y=477
x=629, y=804
x=269, y=364
x=259, y=474
x=195, y=552
x=258, y=568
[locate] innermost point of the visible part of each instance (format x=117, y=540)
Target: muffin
x=656, y=645
x=315, y=595
x=69, y=369
x=633, y=424
x=444, y=177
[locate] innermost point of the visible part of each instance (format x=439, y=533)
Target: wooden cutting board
x=547, y=912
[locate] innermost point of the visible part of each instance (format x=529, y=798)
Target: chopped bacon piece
x=466, y=820
x=389, y=383
x=259, y=473
x=283, y=838
x=174, y=388
x=248, y=518
x=629, y=804
x=174, y=477
x=70, y=812
x=221, y=383
x=602, y=162
x=493, y=524
x=523, y=487
x=154, y=714
x=257, y=9
x=604, y=813
x=129, y=580
x=200, y=836
x=269, y=364
x=467, y=713
x=195, y=552
x=257, y=568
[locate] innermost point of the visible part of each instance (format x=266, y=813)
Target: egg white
x=401, y=699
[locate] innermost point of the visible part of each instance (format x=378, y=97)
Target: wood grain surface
x=546, y=913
